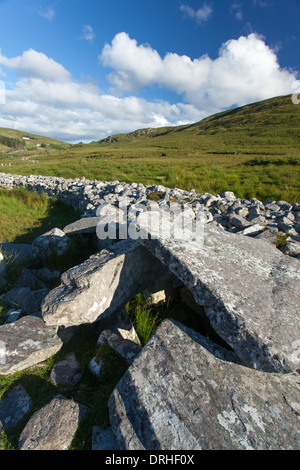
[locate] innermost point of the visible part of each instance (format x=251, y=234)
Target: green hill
x=12, y=139
x=271, y=126
x=253, y=150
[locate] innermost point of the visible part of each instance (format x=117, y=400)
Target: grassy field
x=25, y=215
x=253, y=151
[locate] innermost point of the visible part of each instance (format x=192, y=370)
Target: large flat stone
x=101, y=285
x=250, y=291
x=25, y=343
x=83, y=226
x=183, y=393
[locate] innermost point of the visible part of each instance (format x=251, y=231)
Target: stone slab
x=182, y=393
x=83, y=226
x=101, y=285
x=25, y=343
x=249, y=289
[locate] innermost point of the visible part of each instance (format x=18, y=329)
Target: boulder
x=249, y=289
x=66, y=372
x=62, y=417
x=184, y=393
x=22, y=298
x=102, y=284
x=25, y=343
x=14, y=406
x=52, y=243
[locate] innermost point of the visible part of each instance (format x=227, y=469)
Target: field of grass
x=253, y=150
x=26, y=215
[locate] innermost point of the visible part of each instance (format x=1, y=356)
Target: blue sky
x=82, y=70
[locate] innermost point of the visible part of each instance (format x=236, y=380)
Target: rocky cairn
x=181, y=390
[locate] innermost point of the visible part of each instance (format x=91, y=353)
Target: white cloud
x=200, y=15
x=36, y=64
x=46, y=99
x=88, y=33
x=246, y=70
x=47, y=13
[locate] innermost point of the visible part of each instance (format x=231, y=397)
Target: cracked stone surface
x=185, y=393
x=249, y=289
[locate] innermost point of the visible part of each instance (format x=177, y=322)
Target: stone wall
x=181, y=391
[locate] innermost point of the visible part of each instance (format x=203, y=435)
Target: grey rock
x=12, y=315
x=238, y=221
x=14, y=406
x=39, y=296
x=271, y=206
x=46, y=276
x=17, y=253
x=101, y=285
x=120, y=323
x=268, y=236
x=284, y=227
x=95, y=365
x=257, y=219
x=2, y=271
x=228, y=195
x=25, y=343
x=22, y=298
x=253, y=230
x=284, y=205
x=242, y=211
x=296, y=206
x=66, y=372
x=103, y=439
x=26, y=279
x=82, y=226
x=291, y=248
x=62, y=417
x=52, y=243
x=179, y=395
x=285, y=221
x=249, y=289
x=126, y=348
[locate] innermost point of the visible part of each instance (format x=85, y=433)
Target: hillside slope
x=8, y=136
x=270, y=126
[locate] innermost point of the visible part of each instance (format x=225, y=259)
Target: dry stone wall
x=181, y=391
x=247, y=217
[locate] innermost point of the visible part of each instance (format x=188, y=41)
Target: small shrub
x=281, y=239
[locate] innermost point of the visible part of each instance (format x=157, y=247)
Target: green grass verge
x=25, y=215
